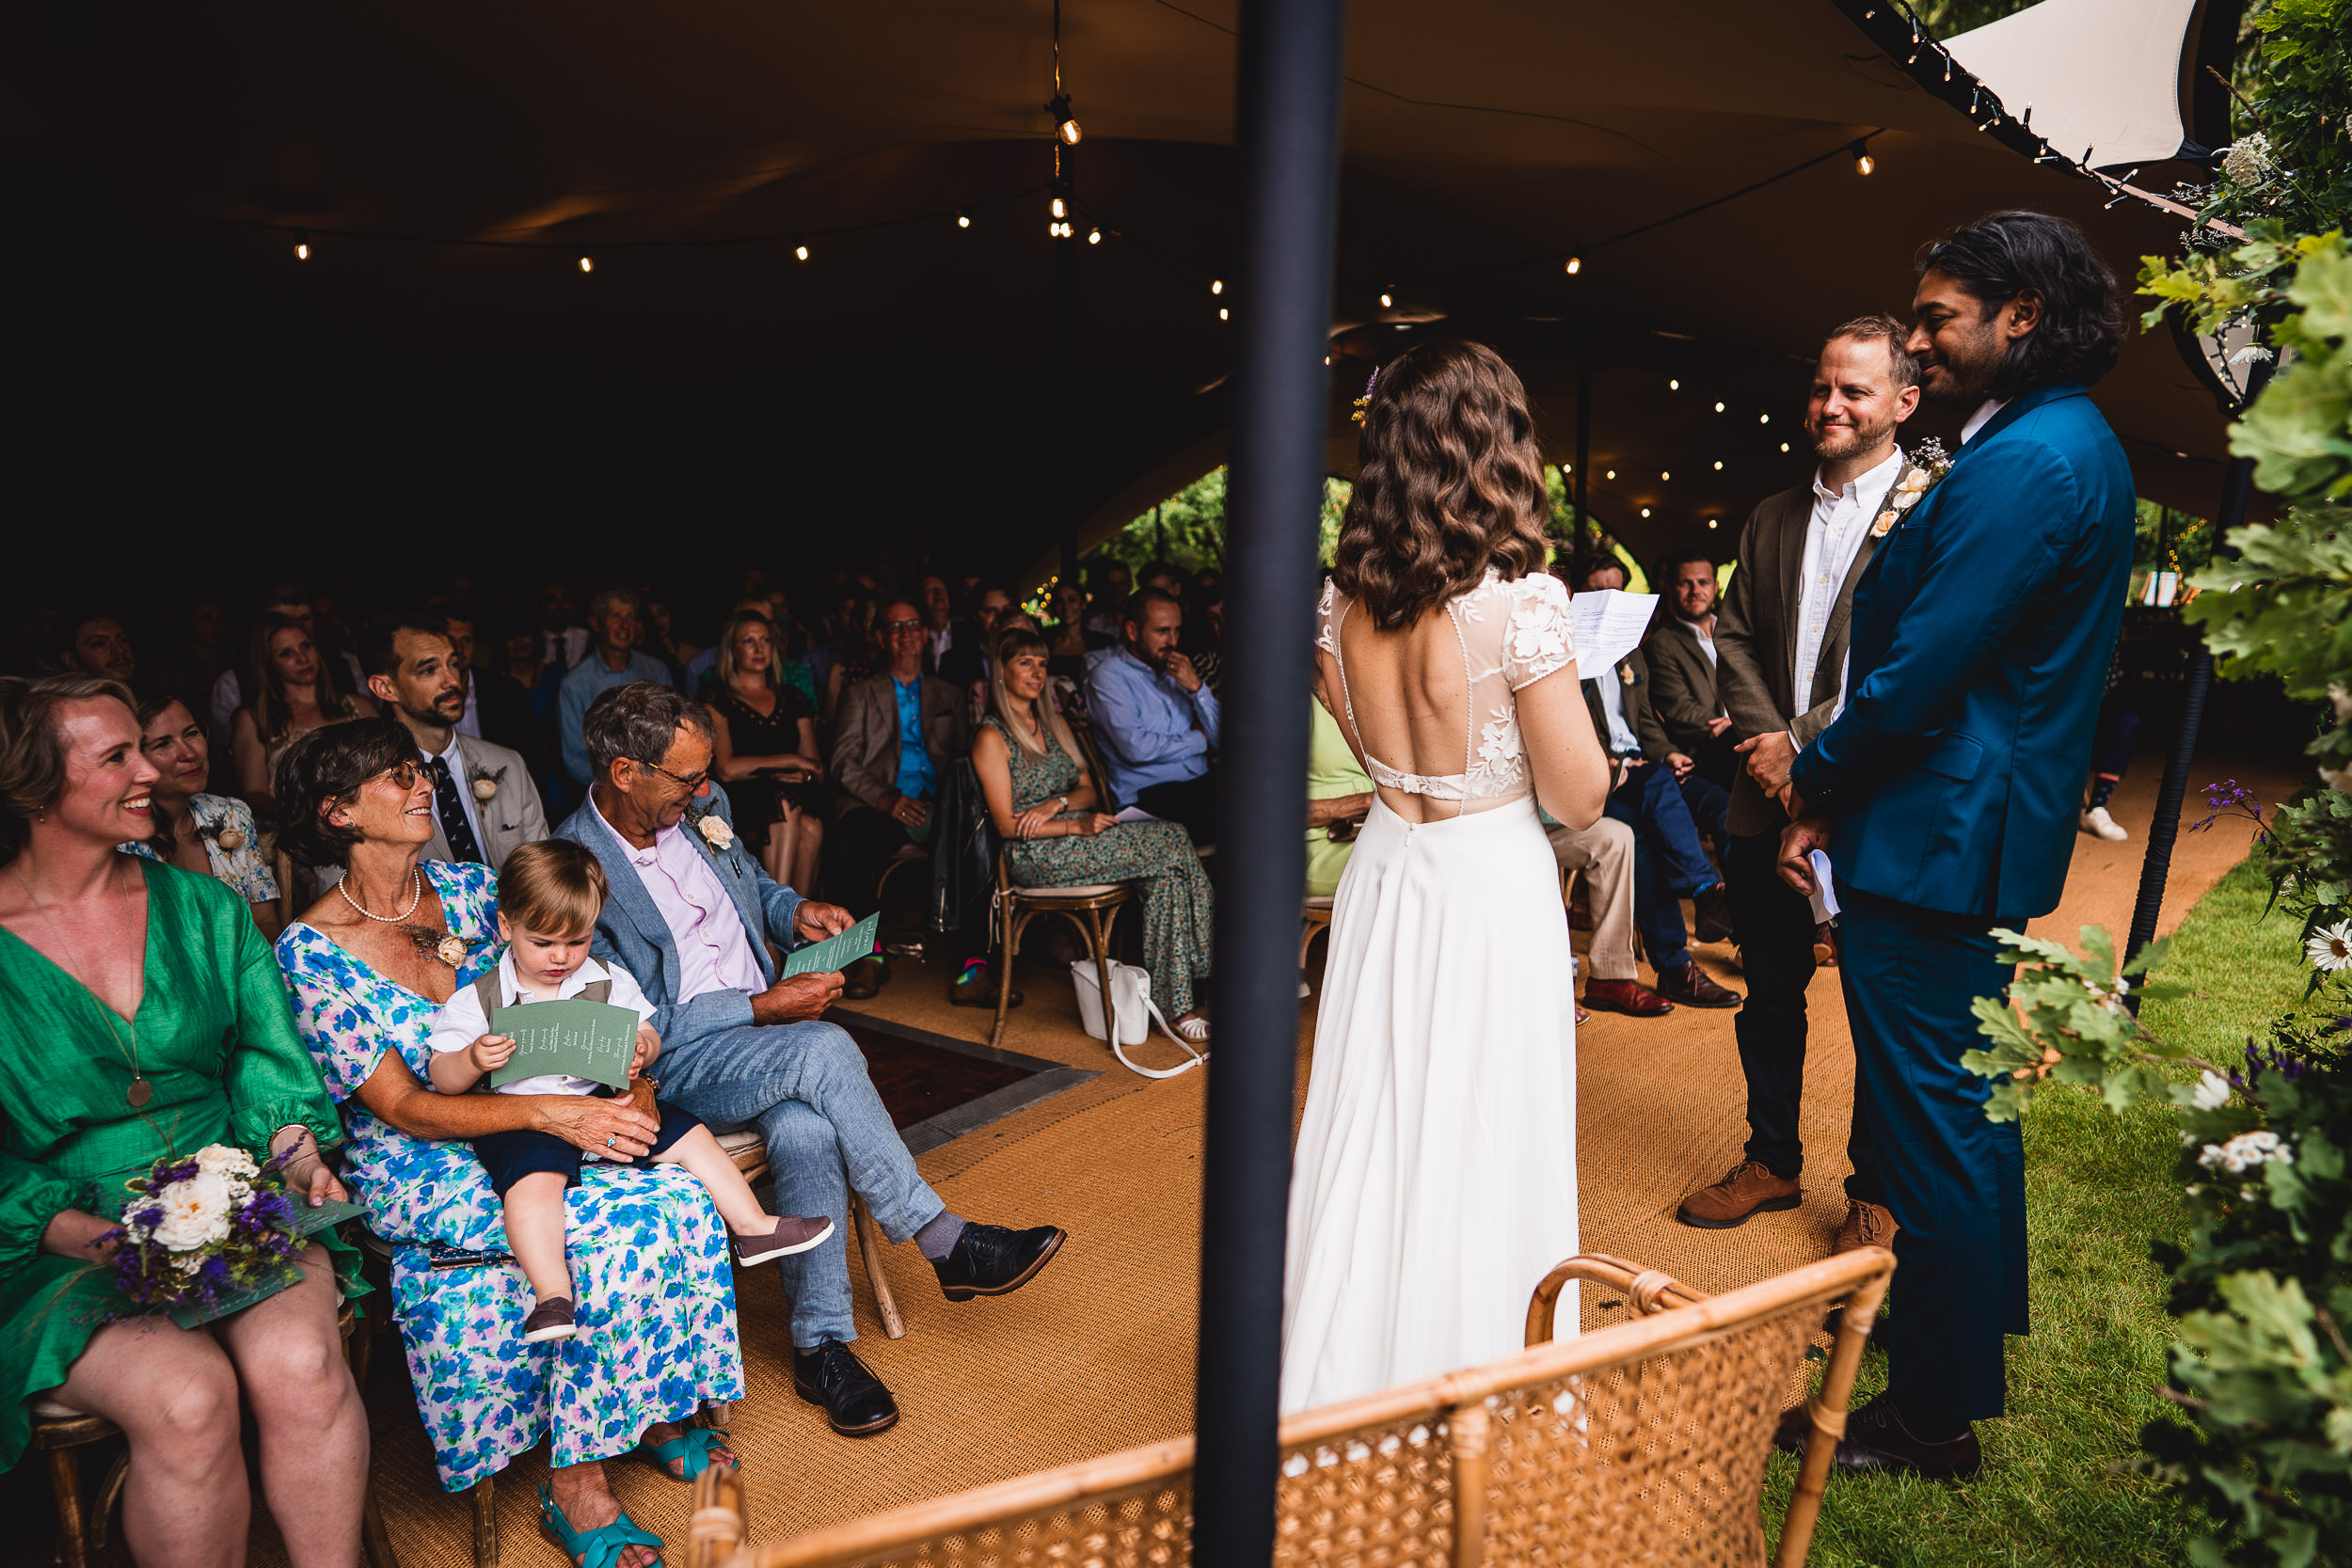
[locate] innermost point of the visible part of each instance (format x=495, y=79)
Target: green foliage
x=2169, y=540
x=1188, y=528
x=2065, y=1022
x=2300, y=84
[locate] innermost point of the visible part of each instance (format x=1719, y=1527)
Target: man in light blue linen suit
x=1947, y=792
x=689, y=916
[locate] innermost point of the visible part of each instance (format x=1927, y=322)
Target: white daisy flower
x=2245, y=1152
x=2330, y=948
x=2212, y=1093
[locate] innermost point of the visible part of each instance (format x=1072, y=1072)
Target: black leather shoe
x=990, y=1261
x=1713, y=909
x=1876, y=1439
x=865, y=977
x=854, y=1399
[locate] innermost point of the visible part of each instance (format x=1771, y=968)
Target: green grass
x=2099, y=1189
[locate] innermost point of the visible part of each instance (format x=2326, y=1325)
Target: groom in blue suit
x=1947, y=793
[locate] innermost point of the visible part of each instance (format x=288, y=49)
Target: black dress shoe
x=1876, y=1439
x=1713, y=909
x=967, y=991
x=990, y=1261
x=854, y=1399
x=865, y=977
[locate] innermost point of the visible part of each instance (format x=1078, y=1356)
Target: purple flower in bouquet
x=203, y=1228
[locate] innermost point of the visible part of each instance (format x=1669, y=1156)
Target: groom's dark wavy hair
x=1451, y=482
x=2003, y=255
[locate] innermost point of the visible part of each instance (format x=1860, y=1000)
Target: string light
x=1575, y=264
x=1711, y=522
x=1664, y=475
x=1062, y=209
x=302, y=245
x=585, y=263
x=1386, y=301
x=1094, y=236
x=1784, y=446
x=1065, y=125
x=1216, y=285
x=1224, y=315
x=1863, y=162
x=1719, y=408
x=1763, y=419
x=1673, y=385
x=801, y=251
x=1719, y=464
x=1610, y=474
x=963, y=220
x=1646, y=512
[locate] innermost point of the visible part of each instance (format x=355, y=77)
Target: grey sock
x=936, y=1240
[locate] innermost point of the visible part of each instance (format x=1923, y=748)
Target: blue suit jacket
x=1982, y=634
x=632, y=933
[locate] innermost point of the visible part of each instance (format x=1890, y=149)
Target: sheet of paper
x=1825, y=900
x=1137, y=813
x=1607, y=624
x=834, y=953
x=579, y=1039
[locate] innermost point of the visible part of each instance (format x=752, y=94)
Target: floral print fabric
x=242, y=867
x=656, y=1305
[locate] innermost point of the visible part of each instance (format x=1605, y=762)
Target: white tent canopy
x=2097, y=74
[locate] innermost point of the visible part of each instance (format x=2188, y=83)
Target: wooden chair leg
x=1099, y=944
x=1004, y=974
x=109, y=1498
x=1305, y=940
x=372, y=1535
x=486, y=1523
x=1827, y=1415
x=870, y=1245
x=65, y=1482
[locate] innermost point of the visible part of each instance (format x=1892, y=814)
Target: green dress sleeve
x=31, y=1195
x=272, y=1080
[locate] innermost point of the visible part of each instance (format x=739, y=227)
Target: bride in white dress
x=1435, y=1179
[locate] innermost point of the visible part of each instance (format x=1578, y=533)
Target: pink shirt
x=713, y=951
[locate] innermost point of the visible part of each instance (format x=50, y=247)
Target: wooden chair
x=1645, y=1441
x=748, y=1151
x=59, y=1430
x=904, y=856
x=1083, y=906
x=1317, y=918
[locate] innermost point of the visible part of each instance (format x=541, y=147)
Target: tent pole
x=1287, y=129
x=1584, y=442
x=1066, y=390
x=2170, y=795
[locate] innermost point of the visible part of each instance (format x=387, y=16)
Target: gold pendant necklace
x=139, y=1091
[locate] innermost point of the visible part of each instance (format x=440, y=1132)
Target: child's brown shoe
x=792, y=1234
x=550, y=1319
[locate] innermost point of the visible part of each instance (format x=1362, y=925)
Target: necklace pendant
x=139, y=1093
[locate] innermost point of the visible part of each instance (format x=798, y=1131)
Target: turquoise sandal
x=693, y=1447
x=600, y=1547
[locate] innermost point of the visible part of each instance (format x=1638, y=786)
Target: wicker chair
x=60, y=1432
x=1317, y=917
x=1083, y=906
x=748, y=1151
x=1644, y=1442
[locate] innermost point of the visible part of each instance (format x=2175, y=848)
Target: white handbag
x=1134, y=1009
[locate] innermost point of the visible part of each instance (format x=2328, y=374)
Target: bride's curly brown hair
x=1450, y=483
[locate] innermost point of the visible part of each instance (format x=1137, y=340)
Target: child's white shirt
x=460, y=1022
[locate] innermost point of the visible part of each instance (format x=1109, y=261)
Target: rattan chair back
x=1642, y=1442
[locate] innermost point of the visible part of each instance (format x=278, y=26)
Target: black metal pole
x=1287, y=132
x=1065, y=393
x=1583, y=442
x=2157, y=865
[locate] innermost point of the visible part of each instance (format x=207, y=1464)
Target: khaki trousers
x=1604, y=853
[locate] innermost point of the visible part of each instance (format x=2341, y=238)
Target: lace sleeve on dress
x=1536, y=639
x=1329, y=612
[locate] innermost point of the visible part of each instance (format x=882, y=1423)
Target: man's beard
x=1832, y=442
x=1962, y=385
x=434, y=715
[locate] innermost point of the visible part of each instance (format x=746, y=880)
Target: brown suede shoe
x=1694, y=987
x=1630, y=997
x=1747, y=1190
x=1866, y=1225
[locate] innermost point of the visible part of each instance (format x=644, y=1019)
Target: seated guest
x=1068, y=637
x=891, y=746
x=97, y=939
x=938, y=607
x=213, y=835
x=612, y=661
x=369, y=965
x=499, y=708
x=1681, y=653
x=484, y=806
x=1205, y=634
x=1672, y=864
x=1110, y=589
x=1608, y=855
x=1154, y=719
x=1045, y=807
x=764, y=732
x=95, y=644
x=560, y=642
x=966, y=663
x=690, y=918
x=294, y=603
x=851, y=658
x=291, y=690
x=1339, y=797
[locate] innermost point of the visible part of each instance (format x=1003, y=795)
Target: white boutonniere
x=1929, y=465
x=1625, y=674
x=485, y=787
x=451, y=950
x=715, y=832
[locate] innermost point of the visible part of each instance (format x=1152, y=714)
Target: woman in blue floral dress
x=369, y=965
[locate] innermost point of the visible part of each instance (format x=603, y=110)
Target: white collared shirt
x=1841, y=519
x=1623, y=742
x=461, y=1020
x=1698, y=629
x=457, y=760
x=714, y=953
x=1982, y=417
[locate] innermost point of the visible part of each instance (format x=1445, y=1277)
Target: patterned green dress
x=1176, y=897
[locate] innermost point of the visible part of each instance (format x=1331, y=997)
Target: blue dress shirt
x=1145, y=723
x=582, y=684
x=918, y=778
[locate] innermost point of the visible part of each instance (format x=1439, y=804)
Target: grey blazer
x=633, y=934
x=1681, y=685
x=866, y=736
x=510, y=818
x=1756, y=642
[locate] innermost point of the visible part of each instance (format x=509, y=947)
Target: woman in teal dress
x=141, y=1014
x=1043, y=802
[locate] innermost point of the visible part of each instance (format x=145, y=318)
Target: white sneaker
x=2096, y=821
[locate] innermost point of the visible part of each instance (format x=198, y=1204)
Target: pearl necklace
x=416, y=897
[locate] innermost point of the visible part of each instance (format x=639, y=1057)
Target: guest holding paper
x=550, y=897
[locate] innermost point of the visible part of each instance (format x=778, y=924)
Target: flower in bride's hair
x=716, y=832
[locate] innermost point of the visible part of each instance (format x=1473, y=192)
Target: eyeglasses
x=895, y=626
x=689, y=783
x=402, y=774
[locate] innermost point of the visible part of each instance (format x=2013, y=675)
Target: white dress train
x=1435, y=1178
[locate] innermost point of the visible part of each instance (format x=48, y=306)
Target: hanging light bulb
x=1216, y=285
x=801, y=251
x=1575, y=264
x=1711, y=522
x=1784, y=446
x=1065, y=125
x=963, y=220
x=1763, y=419
x=1610, y=474
x=1719, y=464
x=1386, y=297
x=1094, y=236
x=1646, y=512
x=1673, y=385
x=1863, y=162
x=1062, y=209
x=587, y=263
x=1719, y=408
x=1664, y=475
x=1223, y=313
x=302, y=245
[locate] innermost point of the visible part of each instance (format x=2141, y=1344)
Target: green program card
x=582, y=1039
x=822, y=958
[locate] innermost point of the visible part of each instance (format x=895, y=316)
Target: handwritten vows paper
x=1607, y=624
x=834, y=953
x=582, y=1040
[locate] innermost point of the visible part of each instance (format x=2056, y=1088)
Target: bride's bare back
x=1468, y=708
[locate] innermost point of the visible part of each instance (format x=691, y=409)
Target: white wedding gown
x=1434, y=1181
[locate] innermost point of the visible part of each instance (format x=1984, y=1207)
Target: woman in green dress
x=1043, y=802
x=142, y=1014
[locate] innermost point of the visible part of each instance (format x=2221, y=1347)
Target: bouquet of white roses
x=204, y=1231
